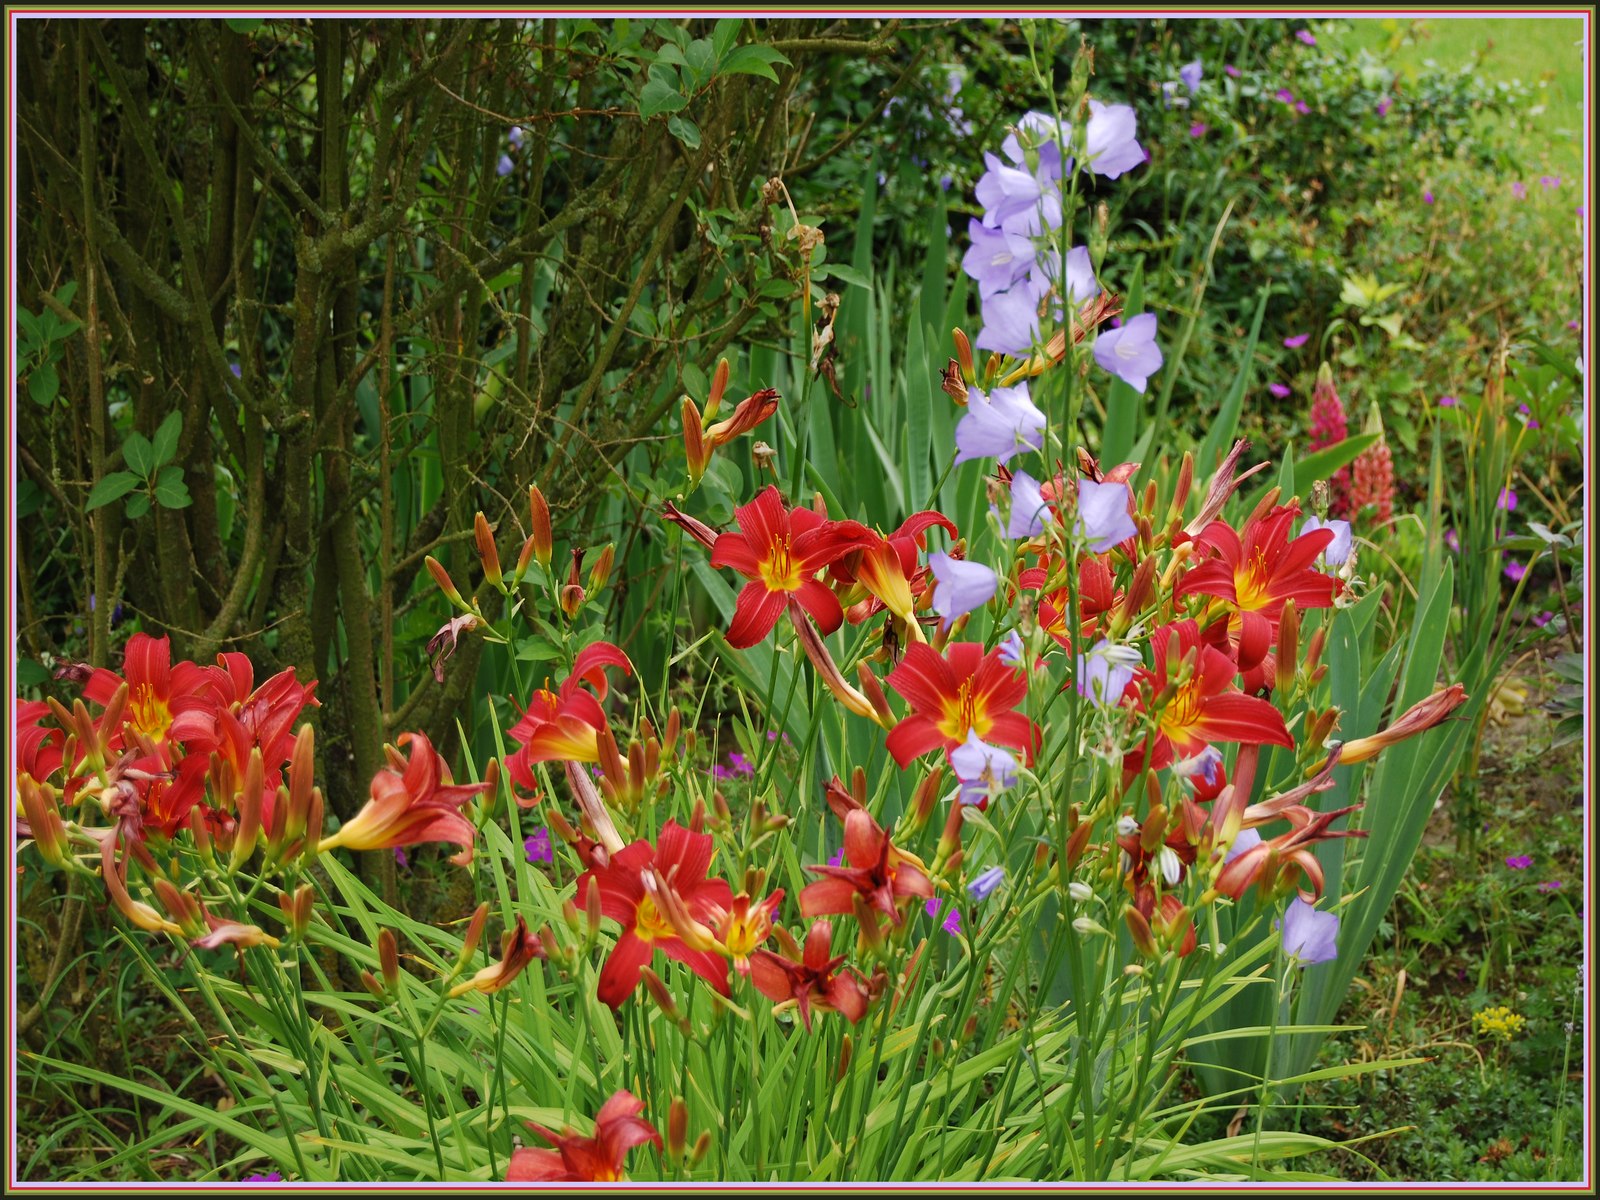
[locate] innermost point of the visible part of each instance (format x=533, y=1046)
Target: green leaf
x=44, y=385
x=1329, y=459
x=685, y=130
x=724, y=36
x=753, y=60
x=140, y=454
x=111, y=487
x=659, y=96
x=166, y=440
x=244, y=26
x=846, y=274
x=670, y=56
x=170, y=490
x=138, y=505
x=66, y=292
x=30, y=673
x=700, y=59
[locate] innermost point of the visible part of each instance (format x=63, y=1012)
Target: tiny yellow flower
x=1498, y=1022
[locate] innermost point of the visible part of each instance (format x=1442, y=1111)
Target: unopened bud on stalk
x=370, y=982
x=697, y=817
x=950, y=839
x=664, y=1000
x=1139, y=930
x=719, y=804
x=846, y=1049
x=539, y=526
x=442, y=578
x=488, y=553
x=702, y=1146
x=677, y=1126
x=297, y=908
x=963, y=353
x=695, y=448
x=925, y=798
x=1288, y=646
x=600, y=573
x=873, y=691
x=388, y=958
x=249, y=818
x=569, y=913
x=183, y=908
x=572, y=596
x=591, y=899
x=524, y=560
x=43, y=815
x=469, y=945
x=1077, y=843
x=719, y=386
x=1266, y=505
x=1081, y=892
x=1181, y=488
x=1314, y=648
x=1088, y=926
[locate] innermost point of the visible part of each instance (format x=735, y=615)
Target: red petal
x=1239, y=718
x=924, y=679
x=620, y=975
x=734, y=550
x=818, y=600
x=755, y=614
x=914, y=737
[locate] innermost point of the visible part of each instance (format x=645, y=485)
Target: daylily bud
x=44, y=819
x=873, y=690
x=539, y=526
x=249, y=828
x=1181, y=488
x=140, y=913
x=183, y=908
x=1314, y=649
x=442, y=578
x=524, y=560
x=719, y=386
x=488, y=553
x=200, y=831
x=592, y=912
x=1077, y=843
x=963, y=353
x=664, y=1000
x=677, y=1126
x=1420, y=717
x=846, y=1049
x=1288, y=646
x=952, y=384
x=572, y=595
x=297, y=908
x=600, y=573
x=926, y=797
x=1139, y=930
x=702, y=1146
x=694, y=442
x=469, y=945
x=370, y=982
x=388, y=958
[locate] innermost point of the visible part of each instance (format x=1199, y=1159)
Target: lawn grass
x=1544, y=53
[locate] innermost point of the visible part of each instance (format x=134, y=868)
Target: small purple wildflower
x=1190, y=73
x=1278, y=390
x=1550, y=181
x=1338, y=551
x=1448, y=402
x=718, y=771
x=1103, y=514
x=837, y=860
x=400, y=858
x=1550, y=885
x=984, y=770
x=1514, y=571
x=1198, y=129
x=1130, y=352
x=1104, y=673
x=1383, y=107
x=515, y=136
x=1519, y=189
x=1544, y=618
x=1011, y=652
x=984, y=885
x=960, y=586
x=1285, y=95
x=1518, y=862
x=1427, y=197
x=1231, y=71
x=537, y=845
x=505, y=166
x=999, y=424
x=1028, y=509
x=1295, y=342
x=269, y=1177
x=238, y=371
x=1109, y=144
x=740, y=765
x=1301, y=107
x=932, y=906
x=1309, y=936
x=1508, y=498
x=1451, y=540
x=952, y=922
x=1306, y=37
x=1573, y=325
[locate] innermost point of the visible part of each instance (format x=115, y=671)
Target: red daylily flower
x=1097, y=594
x=745, y=926
x=780, y=551
x=566, y=724
x=808, y=980
x=412, y=803
x=38, y=748
x=887, y=570
x=1256, y=571
x=960, y=692
x=157, y=690
x=618, y=1128
x=1206, y=708
x=878, y=871
x=636, y=884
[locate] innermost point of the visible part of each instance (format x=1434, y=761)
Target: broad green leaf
x=685, y=130
x=166, y=439
x=140, y=454
x=170, y=490
x=111, y=487
x=724, y=36
x=138, y=504
x=44, y=385
x=660, y=93
x=753, y=60
x=1323, y=463
x=244, y=26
